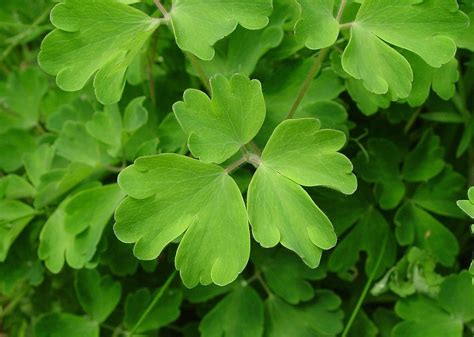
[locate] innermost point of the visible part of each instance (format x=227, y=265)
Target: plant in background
x=220, y=141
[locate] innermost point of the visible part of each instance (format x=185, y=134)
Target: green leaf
x=416, y=225
x=382, y=168
x=346, y=254
x=165, y=311
x=106, y=127
x=367, y=102
x=286, y=275
x=97, y=295
x=38, y=162
x=426, y=160
x=135, y=115
x=14, y=144
x=73, y=231
x=217, y=128
x=468, y=205
x=320, y=164
x=62, y=324
x=426, y=317
x=239, y=314
x=317, y=27
x=438, y=194
x=199, y=24
x=15, y=187
x=420, y=27
x=172, y=137
x=319, y=318
x=14, y=216
x=170, y=195
x=20, y=99
x=94, y=39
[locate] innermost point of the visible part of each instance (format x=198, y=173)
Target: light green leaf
x=74, y=230
x=165, y=311
x=468, y=205
x=38, y=162
x=14, y=216
x=300, y=150
x=426, y=160
x=97, y=295
x=135, y=115
x=172, y=137
x=170, y=195
x=218, y=127
x=15, y=187
x=239, y=314
x=317, y=27
x=414, y=225
x=319, y=318
x=420, y=27
x=106, y=127
x=281, y=211
x=457, y=296
x=367, y=102
x=62, y=324
x=199, y=24
x=94, y=38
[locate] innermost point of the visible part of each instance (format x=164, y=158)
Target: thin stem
x=341, y=10
x=366, y=289
x=200, y=71
x=345, y=25
x=150, y=307
x=262, y=282
x=162, y=9
x=235, y=165
x=14, y=303
x=412, y=120
x=313, y=71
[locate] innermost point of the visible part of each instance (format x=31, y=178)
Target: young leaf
x=94, y=39
x=284, y=320
x=170, y=195
x=423, y=28
x=468, y=205
x=219, y=127
x=97, y=295
x=63, y=324
x=199, y=24
x=135, y=115
x=165, y=311
x=239, y=314
x=74, y=230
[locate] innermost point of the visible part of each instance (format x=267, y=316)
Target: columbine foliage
x=253, y=168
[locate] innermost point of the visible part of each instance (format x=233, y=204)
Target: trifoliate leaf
x=14, y=216
x=380, y=241
x=318, y=27
x=135, y=115
x=165, y=311
x=218, y=127
x=279, y=209
x=420, y=27
x=438, y=194
x=382, y=168
x=74, y=230
x=239, y=314
x=170, y=195
x=311, y=159
x=97, y=295
x=20, y=98
x=426, y=317
x=62, y=324
x=286, y=275
x=14, y=144
x=468, y=205
x=199, y=24
x=426, y=160
x=441, y=79
x=414, y=225
x=94, y=39
x=319, y=318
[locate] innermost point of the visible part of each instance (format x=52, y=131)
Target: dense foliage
x=285, y=168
